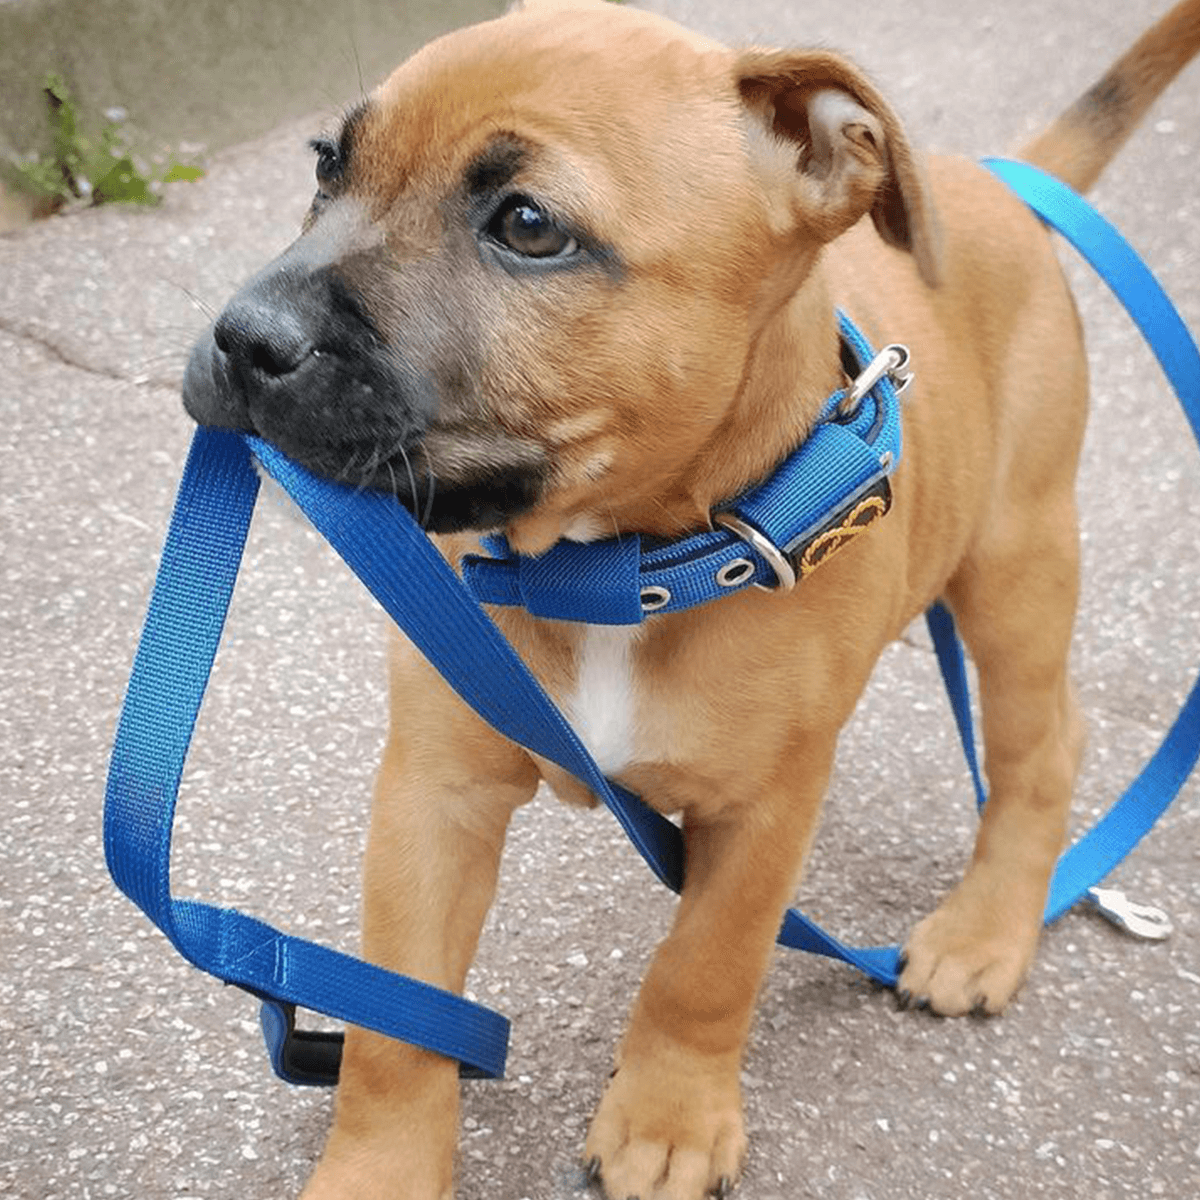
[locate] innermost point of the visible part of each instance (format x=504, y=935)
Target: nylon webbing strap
x=179, y=642
x=416, y=587
x=407, y=575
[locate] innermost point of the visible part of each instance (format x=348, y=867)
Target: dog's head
x=543, y=282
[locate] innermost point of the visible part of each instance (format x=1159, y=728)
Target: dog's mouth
x=451, y=480
x=294, y=359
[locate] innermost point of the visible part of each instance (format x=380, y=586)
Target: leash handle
x=182, y=631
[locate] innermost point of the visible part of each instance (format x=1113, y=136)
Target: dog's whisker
x=362, y=87
x=203, y=306
x=681, y=526
x=391, y=476
x=386, y=456
x=164, y=358
x=427, y=512
x=349, y=472
x=612, y=517
x=375, y=459
x=412, y=479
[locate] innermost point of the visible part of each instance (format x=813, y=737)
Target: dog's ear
x=850, y=153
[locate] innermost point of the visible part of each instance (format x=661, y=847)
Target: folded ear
x=850, y=153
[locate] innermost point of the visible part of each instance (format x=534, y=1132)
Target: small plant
x=82, y=170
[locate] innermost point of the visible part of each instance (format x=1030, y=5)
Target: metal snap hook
x=1141, y=920
x=892, y=361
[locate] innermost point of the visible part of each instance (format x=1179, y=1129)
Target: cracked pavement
x=126, y=1073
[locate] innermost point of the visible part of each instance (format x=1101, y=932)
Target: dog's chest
x=602, y=706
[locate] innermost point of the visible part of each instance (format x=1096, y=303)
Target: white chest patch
x=603, y=707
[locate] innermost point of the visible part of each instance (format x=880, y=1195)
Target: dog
x=573, y=274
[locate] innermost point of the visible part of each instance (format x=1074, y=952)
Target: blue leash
x=407, y=575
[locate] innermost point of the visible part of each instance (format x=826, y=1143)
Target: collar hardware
x=735, y=573
x=890, y=363
x=822, y=496
x=817, y=546
x=785, y=574
x=653, y=598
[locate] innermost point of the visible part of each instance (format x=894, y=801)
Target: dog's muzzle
x=294, y=358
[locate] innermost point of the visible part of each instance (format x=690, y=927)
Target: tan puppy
x=572, y=273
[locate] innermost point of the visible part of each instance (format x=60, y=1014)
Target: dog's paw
x=969, y=956
x=665, y=1135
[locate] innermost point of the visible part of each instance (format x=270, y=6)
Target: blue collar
x=826, y=492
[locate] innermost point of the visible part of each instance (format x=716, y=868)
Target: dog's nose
x=262, y=337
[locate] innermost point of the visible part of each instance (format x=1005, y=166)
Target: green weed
x=85, y=170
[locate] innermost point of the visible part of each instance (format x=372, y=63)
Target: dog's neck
x=791, y=369
x=792, y=366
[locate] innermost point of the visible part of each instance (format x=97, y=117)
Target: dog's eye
x=530, y=231
x=329, y=161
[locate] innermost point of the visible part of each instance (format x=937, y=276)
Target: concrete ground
x=123, y=1072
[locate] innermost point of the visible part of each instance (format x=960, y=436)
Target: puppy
x=573, y=274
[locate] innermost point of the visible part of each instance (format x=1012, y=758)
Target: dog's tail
x=1079, y=145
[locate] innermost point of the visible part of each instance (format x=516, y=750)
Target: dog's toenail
x=592, y=1170
x=903, y=999
x=979, y=1008
x=724, y=1187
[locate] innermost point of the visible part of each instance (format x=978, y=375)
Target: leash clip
x=891, y=363
x=1141, y=920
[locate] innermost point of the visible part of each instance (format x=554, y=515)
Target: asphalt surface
x=123, y=1072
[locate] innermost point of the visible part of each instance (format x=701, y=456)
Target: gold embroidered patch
x=827, y=543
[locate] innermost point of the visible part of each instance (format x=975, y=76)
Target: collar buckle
x=818, y=544
x=785, y=573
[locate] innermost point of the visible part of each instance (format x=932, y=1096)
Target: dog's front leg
x=670, y=1126
x=445, y=792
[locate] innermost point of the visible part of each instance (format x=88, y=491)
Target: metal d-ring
x=892, y=361
x=785, y=574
